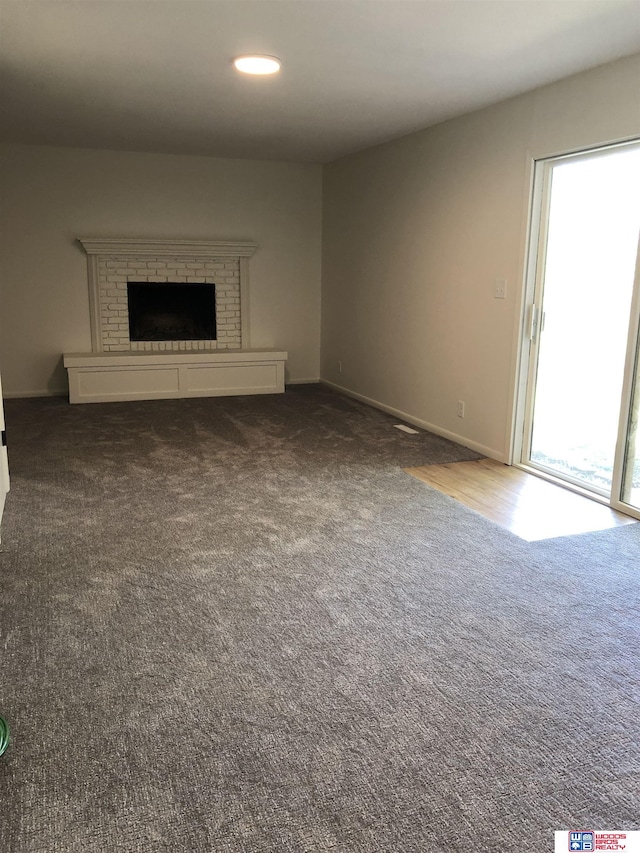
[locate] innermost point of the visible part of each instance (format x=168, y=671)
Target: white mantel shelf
x=99, y=377
x=123, y=247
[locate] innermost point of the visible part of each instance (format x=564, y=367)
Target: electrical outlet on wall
x=460, y=409
x=500, y=288
x=339, y=367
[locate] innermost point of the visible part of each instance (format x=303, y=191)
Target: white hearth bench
x=101, y=377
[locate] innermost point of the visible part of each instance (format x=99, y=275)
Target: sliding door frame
x=630, y=390
x=530, y=323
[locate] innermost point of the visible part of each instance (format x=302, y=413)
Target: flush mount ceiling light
x=255, y=64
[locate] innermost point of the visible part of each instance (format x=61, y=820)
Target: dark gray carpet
x=237, y=626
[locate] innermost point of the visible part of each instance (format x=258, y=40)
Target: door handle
x=533, y=321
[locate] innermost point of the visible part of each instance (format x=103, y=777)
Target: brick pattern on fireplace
x=114, y=272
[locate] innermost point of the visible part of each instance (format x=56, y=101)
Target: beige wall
x=51, y=196
x=417, y=230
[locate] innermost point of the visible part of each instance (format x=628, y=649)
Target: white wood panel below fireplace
x=110, y=377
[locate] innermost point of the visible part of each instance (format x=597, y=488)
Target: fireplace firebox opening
x=171, y=311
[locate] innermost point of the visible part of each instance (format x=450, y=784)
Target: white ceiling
x=156, y=75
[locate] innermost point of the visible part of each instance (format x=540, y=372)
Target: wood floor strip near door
x=527, y=505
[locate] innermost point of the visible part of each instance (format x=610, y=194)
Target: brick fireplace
x=119, y=368
x=113, y=263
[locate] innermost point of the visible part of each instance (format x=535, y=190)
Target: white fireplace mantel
x=125, y=247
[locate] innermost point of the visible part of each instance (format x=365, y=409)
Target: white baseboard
x=25, y=394
x=411, y=419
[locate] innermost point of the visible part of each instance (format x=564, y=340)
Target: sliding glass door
x=580, y=406
x=626, y=482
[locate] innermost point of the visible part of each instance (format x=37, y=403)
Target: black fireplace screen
x=171, y=311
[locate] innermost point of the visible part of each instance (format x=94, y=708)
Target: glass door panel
x=631, y=478
x=628, y=470
x=584, y=295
